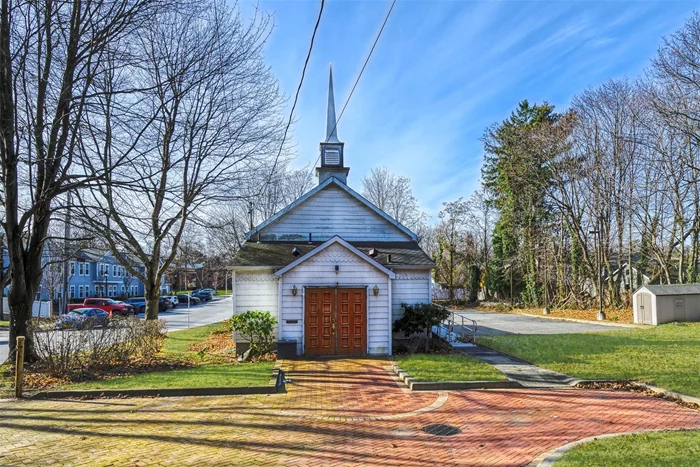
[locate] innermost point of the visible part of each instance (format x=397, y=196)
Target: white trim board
x=323, y=246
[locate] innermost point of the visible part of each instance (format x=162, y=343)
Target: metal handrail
x=464, y=329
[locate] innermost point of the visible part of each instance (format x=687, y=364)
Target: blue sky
x=445, y=70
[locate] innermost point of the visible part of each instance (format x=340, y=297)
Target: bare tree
x=207, y=121
x=393, y=194
x=50, y=54
x=452, y=240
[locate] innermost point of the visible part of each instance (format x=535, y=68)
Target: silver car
x=172, y=299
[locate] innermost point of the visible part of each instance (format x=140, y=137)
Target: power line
x=296, y=97
x=379, y=34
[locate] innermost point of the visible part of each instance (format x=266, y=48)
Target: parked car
x=183, y=299
x=106, y=304
x=80, y=317
x=203, y=296
x=173, y=299
x=211, y=292
x=139, y=304
x=164, y=304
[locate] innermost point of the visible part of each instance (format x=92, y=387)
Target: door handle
x=333, y=327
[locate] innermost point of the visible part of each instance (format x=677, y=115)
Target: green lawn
x=666, y=356
x=4, y=324
x=207, y=374
x=670, y=448
x=435, y=367
x=177, y=342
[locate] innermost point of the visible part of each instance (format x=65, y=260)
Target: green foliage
x=516, y=174
x=451, y=367
x=420, y=317
x=257, y=327
x=661, y=449
x=474, y=282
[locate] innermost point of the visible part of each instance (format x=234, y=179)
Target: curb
x=668, y=394
x=275, y=386
x=414, y=385
x=550, y=458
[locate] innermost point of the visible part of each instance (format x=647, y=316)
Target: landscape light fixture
x=376, y=290
x=294, y=290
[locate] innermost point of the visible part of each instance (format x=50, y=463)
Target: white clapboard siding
x=333, y=211
x=256, y=291
x=320, y=271
x=409, y=286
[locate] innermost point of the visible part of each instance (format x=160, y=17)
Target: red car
x=107, y=304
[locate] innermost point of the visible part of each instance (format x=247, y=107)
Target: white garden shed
x=658, y=304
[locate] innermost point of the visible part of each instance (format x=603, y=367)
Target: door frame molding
x=335, y=286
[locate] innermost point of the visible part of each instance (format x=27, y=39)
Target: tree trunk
x=152, y=294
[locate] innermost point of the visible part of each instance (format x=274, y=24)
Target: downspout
x=233, y=292
x=391, y=310
x=279, y=307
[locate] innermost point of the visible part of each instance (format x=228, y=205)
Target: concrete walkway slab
x=524, y=373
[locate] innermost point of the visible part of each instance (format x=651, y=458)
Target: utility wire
x=296, y=98
x=379, y=34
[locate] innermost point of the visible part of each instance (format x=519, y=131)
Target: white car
x=173, y=299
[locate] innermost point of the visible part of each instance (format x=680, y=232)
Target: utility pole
x=66, y=252
x=596, y=235
x=546, y=282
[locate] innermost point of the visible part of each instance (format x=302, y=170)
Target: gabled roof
x=325, y=245
x=673, y=289
x=272, y=255
x=347, y=189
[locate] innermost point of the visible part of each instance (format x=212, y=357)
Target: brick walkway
x=337, y=412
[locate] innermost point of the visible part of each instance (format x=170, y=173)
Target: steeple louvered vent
x=332, y=157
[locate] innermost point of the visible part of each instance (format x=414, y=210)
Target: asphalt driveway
x=503, y=323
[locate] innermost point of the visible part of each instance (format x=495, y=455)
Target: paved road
x=502, y=323
x=176, y=319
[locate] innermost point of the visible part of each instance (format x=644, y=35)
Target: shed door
x=644, y=307
x=679, y=309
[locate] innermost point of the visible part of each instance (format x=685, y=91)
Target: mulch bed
x=625, y=385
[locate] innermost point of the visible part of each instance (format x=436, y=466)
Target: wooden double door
x=335, y=321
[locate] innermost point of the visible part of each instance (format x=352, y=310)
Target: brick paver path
x=337, y=412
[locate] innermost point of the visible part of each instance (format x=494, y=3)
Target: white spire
x=331, y=129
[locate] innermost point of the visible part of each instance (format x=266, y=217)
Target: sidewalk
x=524, y=373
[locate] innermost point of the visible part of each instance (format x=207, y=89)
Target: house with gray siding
x=331, y=267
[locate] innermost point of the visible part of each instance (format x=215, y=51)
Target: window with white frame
x=80, y=291
x=87, y=269
x=72, y=268
x=114, y=270
x=100, y=269
x=81, y=269
x=71, y=292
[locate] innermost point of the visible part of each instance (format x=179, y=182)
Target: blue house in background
x=92, y=273
x=95, y=273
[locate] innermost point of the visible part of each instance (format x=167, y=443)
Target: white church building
x=331, y=267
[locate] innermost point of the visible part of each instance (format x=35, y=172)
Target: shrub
x=257, y=327
x=95, y=345
x=421, y=317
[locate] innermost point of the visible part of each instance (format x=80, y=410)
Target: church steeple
x=331, y=128
x=331, y=148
